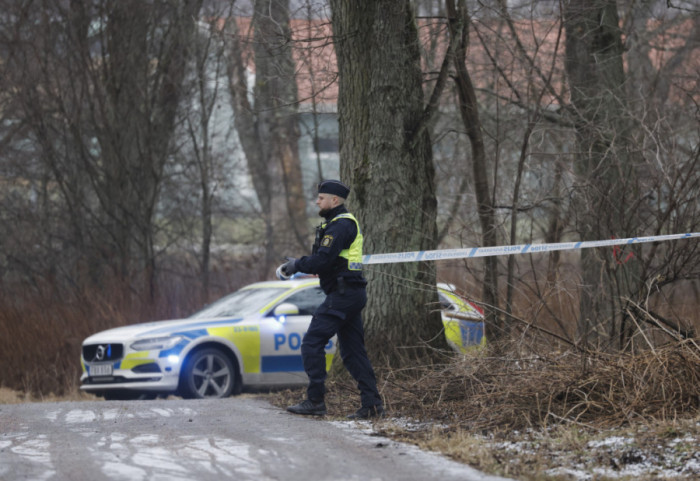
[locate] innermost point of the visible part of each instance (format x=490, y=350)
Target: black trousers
x=339, y=314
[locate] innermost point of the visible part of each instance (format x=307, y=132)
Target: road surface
x=242, y=438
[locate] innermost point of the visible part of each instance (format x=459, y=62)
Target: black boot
x=308, y=407
x=368, y=412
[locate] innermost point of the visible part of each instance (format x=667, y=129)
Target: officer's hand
x=288, y=268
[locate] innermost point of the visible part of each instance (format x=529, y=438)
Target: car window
x=450, y=302
x=307, y=300
x=446, y=304
x=241, y=303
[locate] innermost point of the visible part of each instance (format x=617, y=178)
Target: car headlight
x=156, y=343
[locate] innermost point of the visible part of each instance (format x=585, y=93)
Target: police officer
x=337, y=259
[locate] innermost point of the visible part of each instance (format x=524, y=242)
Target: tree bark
x=277, y=120
x=596, y=79
x=496, y=328
x=386, y=157
x=268, y=128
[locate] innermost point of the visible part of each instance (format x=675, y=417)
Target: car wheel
x=208, y=373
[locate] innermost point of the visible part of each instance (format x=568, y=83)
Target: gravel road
x=242, y=438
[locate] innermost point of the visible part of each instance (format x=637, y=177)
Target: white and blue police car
x=251, y=338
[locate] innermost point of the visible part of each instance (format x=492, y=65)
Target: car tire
x=209, y=373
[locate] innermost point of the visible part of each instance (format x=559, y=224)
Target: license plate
x=101, y=370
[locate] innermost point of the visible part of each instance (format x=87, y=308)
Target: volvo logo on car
x=102, y=352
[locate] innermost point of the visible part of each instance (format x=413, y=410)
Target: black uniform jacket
x=325, y=260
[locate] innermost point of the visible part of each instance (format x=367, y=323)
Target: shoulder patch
x=327, y=241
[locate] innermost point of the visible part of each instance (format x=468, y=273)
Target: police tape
x=469, y=252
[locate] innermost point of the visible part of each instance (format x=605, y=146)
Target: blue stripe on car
x=281, y=363
x=193, y=334
x=471, y=332
x=177, y=348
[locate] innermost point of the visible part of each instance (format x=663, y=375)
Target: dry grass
x=40, y=341
x=42, y=330
x=543, y=389
x=10, y=396
x=528, y=415
x=643, y=452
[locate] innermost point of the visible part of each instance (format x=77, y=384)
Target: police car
x=250, y=338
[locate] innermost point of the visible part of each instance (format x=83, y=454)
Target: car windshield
x=241, y=303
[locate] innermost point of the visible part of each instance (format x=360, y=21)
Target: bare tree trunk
x=555, y=226
x=140, y=115
x=514, y=214
x=596, y=79
x=269, y=128
x=277, y=118
x=245, y=120
x=495, y=325
x=105, y=100
x=386, y=157
x=199, y=127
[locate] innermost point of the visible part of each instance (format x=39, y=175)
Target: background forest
x=157, y=155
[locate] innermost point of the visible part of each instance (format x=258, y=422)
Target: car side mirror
x=286, y=309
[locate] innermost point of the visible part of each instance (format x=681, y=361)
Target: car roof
x=290, y=284
x=308, y=280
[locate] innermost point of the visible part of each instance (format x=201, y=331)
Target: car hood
x=155, y=329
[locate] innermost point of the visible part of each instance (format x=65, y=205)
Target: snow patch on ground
x=613, y=456
x=440, y=465
x=618, y=456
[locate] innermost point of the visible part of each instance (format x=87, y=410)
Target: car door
x=281, y=336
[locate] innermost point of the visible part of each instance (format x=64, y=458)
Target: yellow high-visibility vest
x=353, y=253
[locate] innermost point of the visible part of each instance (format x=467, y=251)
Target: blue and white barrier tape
x=394, y=257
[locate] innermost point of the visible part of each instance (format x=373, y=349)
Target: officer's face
x=326, y=202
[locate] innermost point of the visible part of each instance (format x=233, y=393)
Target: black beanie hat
x=333, y=187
